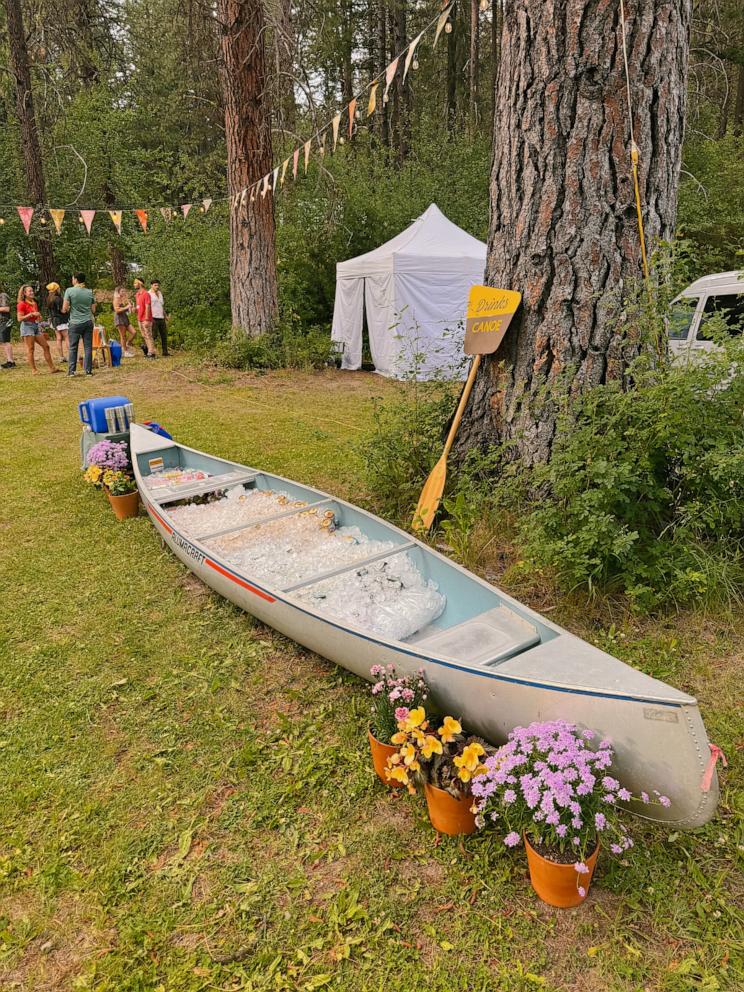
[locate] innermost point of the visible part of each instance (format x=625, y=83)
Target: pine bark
x=33, y=164
x=563, y=227
x=253, y=288
x=473, y=63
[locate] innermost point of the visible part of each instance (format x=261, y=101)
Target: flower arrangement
x=446, y=757
x=94, y=476
x=549, y=785
x=109, y=454
x=118, y=483
x=391, y=696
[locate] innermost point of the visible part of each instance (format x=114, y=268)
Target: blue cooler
x=93, y=412
x=115, y=349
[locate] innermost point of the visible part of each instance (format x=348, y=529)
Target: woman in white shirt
x=159, y=316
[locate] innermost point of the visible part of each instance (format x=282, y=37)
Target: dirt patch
x=195, y=589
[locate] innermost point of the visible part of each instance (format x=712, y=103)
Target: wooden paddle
x=489, y=314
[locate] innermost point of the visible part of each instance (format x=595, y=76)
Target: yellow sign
x=489, y=314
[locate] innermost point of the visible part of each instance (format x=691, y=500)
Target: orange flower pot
x=124, y=506
x=380, y=754
x=447, y=814
x=556, y=884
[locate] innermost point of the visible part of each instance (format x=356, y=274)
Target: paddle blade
x=431, y=496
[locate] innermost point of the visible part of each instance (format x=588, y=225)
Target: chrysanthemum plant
x=109, y=454
x=393, y=695
x=550, y=784
x=445, y=757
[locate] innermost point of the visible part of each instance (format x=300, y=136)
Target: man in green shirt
x=79, y=304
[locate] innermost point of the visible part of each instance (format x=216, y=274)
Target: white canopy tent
x=415, y=291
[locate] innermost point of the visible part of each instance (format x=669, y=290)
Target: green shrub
x=644, y=492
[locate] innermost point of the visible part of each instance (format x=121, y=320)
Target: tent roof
x=431, y=243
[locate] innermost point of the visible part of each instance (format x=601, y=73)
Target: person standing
x=159, y=316
x=78, y=303
x=57, y=318
x=122, y=308
x=6, y=323
x=29, y=317
x=144, y=317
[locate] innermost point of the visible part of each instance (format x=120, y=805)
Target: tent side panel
x=348, y=316
x=382, y=322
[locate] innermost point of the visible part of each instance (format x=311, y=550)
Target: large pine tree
x=563, y=226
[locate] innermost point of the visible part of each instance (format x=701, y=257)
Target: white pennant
x=390, y=76
x=410, y=54
x=336, y=122
x=206, y=204
x=443, y=18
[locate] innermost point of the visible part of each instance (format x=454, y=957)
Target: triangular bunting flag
x=285, y=165
x=236, y=200
x=57, y=217
x=87, y=218
x=410, y=54
x=142, y=218
x=321, y=145
x=372, y=98
x=275, y=176
x=389, y=77
x=352, y=113
x=206, y=204
x=26, y=214
x=265, y=188
x=335, y=124
x=115, y=216
x=185, y=207
x=295, y=160
x=243, y=197
x=307, y=154
x=443, y=18
x=254, y=190
x=167, y=214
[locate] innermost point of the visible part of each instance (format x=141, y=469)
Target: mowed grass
x=186, y=799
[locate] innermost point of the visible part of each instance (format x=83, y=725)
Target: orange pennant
x=142, y=218
x=352, y=113
x=372, y=98
x=57, y=217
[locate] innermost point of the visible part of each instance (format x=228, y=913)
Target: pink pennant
x=185, y=207
x=26, y=214
x=389, y=77
x=87, y=218
x=295, y=161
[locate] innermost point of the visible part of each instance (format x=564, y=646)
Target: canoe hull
x=658, y=745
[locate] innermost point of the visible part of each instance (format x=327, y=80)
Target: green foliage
x=288, y=347
x=645, y=489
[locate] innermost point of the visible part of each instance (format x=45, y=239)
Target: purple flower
x=609, y=783
x=582, y=891
x=512, y=839
x=581, y=868
x=510, y=796
x=623, y=794
x=561, y=829
x=616, y=849
x=109, y=454
x=644, y=797
x=665, y=801
x=600, y=821
x=576, y=841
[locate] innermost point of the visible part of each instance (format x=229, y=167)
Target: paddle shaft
x=461, y=406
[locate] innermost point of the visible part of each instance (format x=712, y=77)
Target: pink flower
x=376, y=670
x=512, y=839
x=401, y=713
x=377, y=688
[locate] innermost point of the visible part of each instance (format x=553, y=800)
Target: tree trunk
x=473, y=64
x=382, y=61
x=347, y=47
x=452, y=72
x=563, y=226
x=402, y=89
x=284, y=51
x=253, y=292
x=30, y=147
x=739, y=108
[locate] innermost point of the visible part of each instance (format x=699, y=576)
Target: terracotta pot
x=556, y=884
x=447, y=814
x=124, y=506
x=380, y=754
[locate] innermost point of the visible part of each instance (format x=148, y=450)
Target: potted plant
x=551, y=788
x=109, y=455
x=392, y=697
x=122, y=494
x=444, y=761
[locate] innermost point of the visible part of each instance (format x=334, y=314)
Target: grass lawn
x=187, y=800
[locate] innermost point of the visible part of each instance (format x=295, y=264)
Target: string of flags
x=273, y=180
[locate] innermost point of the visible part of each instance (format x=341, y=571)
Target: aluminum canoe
x=490, y=661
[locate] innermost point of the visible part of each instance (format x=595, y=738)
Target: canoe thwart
x=212, y=484
x=333, y=572
x=259, y=521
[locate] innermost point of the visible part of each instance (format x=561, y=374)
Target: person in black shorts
x=159, y=316
x=5, y=326
x=57, y=319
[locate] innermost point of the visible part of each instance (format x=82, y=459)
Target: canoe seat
x=486, y=639
x=168, y=494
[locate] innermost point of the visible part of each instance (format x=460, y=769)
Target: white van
x=721, y=294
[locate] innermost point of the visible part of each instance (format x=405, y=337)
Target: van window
x=728, y=306
x=681, y=317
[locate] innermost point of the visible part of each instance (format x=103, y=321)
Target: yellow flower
x=432, y=745
x=449, y=729
x=399, y=738
x=408, y=754
x=397, y=774
x=468, y=763
x=414, y=719
x=419, y=736
x=93, y=474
